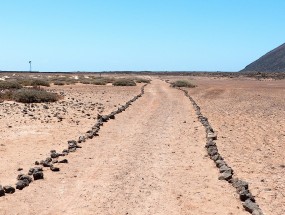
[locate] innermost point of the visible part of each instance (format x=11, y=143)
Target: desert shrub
x=85, y=81
x=142, y=80
x=99, y=82
x=25, y=82
x=34, y=96
x=182, y=83
x=60, y=83
x=102, y=80
x=10, y=85
x=6, y=95
x=40, y=82
x=124, y=82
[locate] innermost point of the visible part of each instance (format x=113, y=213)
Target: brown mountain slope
x=273, y=61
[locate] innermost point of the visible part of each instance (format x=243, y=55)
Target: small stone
x=63, y=161
x=9, y=189
x=54, y=169
x=31, y=170
x=2, y=192
x=20, y=169
x=250, y=206
x=37, y=163
x=257, y=212
x=21, y=184
x=220, y=163
x=38, y=175
x=55, y=161
x=54, y=155
x=211, y=136
x=225, y=176
x=81, y=139
x=47, y=164
x=48, y=159
x=25, y=177
x=245, y=194
x=225, y=168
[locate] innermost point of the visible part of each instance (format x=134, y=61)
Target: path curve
x=149, y=160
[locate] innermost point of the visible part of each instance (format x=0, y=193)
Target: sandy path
x=149, y=160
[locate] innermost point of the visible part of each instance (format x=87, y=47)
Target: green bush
x=182, y=83
x=124, y=82
x=10, y=85
x=40, y=82
x=34, y=96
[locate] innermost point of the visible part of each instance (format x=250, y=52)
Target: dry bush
x=10, y=85
x=6, y=95
x=103, y=80
x=85, y=81
x=59, y=83
x=142, y=80
x=40, y=82
x=34, y=96
x=124, y=82
x=182, y=83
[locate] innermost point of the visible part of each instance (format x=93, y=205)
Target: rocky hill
x=273, y=61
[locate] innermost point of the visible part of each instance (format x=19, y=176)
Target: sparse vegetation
x=142, y=80
x=103, y=80
x=59, y=83
x=124, y=82
x=40, y=82
x=9, y=85
x=34, y=96
x=182, y=83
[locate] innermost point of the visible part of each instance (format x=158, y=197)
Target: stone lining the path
x=227, y=173
x=36, y=173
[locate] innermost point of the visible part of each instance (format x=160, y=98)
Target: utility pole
x=30, y=62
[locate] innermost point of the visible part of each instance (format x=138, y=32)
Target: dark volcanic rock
x=21, y=184
x=25, y=177
x=63, y=161
x=54, y=169
x=38, y=175
x=54, y=155
x=9, y=189
x=46, y=164
x=250, y=206
x=226, y=176
x=2, y=192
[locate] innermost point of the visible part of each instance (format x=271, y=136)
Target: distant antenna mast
x=30, y=62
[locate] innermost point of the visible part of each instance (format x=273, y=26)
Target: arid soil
x=29, y=132
x=149, y=160
x=248, y=116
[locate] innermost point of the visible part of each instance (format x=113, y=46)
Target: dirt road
x=149, y=160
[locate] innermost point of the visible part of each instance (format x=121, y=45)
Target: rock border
x=227, y=173
x=72, y=145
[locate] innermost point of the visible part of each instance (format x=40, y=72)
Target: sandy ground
x=248, y=116
x=28, y=136
x=149, y=160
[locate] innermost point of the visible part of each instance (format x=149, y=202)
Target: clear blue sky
x=160, y=35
